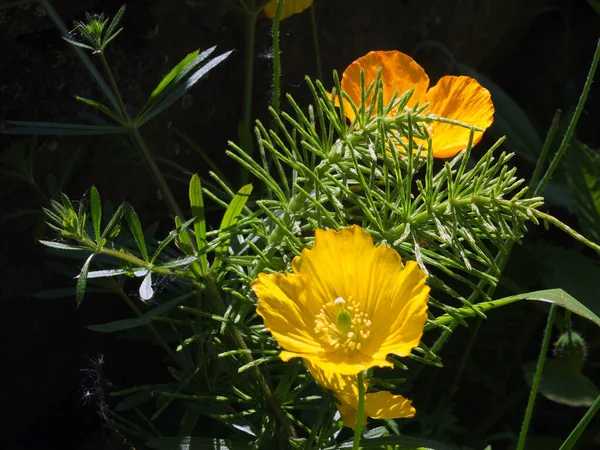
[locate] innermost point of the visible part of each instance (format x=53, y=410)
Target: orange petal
x=290, y=7
x=399, y=73
x=462, y=99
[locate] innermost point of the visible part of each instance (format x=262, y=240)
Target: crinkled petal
x=290, y=7
x=462, y=99
x=385, y=405
x=340, y=362
x=399, y=73
x=282, y=304
x=399, y=332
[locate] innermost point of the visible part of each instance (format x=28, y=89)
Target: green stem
x=277, y=57
x=159, y=178
x=567, y=229
x=361, y=411
x=583, y=423
x=572, y=125
x=113, y=85
x=249, y=73
x=537, y=378
x=139, y=142
x=315, y=33
x=535, y=178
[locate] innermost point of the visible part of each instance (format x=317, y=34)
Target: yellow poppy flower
x=290, y=7
x=378, y=405
x=347, y=304
x=459, y=98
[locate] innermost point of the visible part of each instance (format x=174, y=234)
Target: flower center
x=342, y=326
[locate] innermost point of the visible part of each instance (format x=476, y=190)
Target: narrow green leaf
x=114, y=23
x=145, y=319
x=100, y=107
x=555, y=296
x=184, y=239
x=114, y=222
x=170, y=238
x=61, y=246
x=82, y=280
x=197, y=204
x=181, y=89
x=96, y=206
x=136, y=231
x=178, y=70
x=59, y=129
x=230, y=218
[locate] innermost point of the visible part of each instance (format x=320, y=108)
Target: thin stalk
x=139, y=142
x=537, y=378
x=158, y=176
x=361, y=411
x=583, y=423
x=277, y=57
x=113, y=85
x=249, y=74
x=81, y=54
x=315, y=33
x=567, y=229
x=535, y=178
x=573, y=124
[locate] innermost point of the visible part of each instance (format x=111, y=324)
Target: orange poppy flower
x=453, y=97
x=290, y=7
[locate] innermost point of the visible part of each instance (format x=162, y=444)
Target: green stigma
x=343, y=320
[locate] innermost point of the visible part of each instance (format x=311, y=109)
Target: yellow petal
x=399, y=73
x=462, y=99
x=399, y=332
x=340, y=362
x=378, y=405
x=385, y=405
x=282, y=304
x=290, y=7
x=382, y=304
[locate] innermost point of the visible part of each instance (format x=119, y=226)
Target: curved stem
x=571, y=129
x=361, y=411
x=277, y=57
x=315, y=33
x=537, y=378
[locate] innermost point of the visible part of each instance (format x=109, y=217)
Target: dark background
x=537, y=51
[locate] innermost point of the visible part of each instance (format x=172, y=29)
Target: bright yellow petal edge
x=378, y=405
x=290, y=7
x=347, y=304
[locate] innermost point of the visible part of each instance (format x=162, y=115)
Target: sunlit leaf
x=230, y=218
x=197, y=205
x=556, y=296
x=82, y=280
